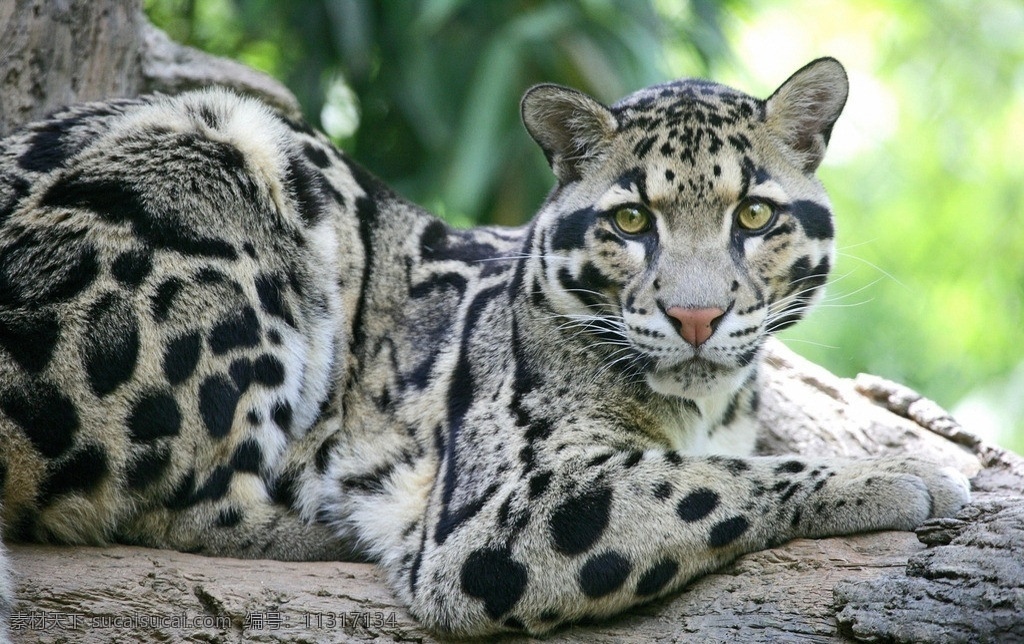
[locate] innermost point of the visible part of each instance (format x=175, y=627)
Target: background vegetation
x=925, y=167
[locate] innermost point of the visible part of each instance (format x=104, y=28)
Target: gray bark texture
x=956, y=580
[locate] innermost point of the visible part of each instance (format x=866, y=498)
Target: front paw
x=885, y=494
x=948, y=488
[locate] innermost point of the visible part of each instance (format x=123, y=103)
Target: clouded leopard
x=219, y=334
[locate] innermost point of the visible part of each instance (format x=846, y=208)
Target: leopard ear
x=568, y=125
x=804, y=109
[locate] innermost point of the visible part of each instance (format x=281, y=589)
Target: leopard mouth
x=695, y=377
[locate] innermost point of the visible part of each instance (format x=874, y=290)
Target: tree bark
x=58, y=52
x=957, y=580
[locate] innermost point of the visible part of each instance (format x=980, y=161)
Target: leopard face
x=687, y=224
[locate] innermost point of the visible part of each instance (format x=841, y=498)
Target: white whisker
x=876, y=267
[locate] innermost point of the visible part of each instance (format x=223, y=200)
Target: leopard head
x=687, y=223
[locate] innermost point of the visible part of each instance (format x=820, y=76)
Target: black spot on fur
x=697, y=504
x=438, y=283
x=239, y=330
x=790, y=467
x=322, y=458
x=268, y=370
x=29, y=337
x=795, y=521
x=730, y=410
x=725, y=532
x=131, y=267
x=439, y=243
x=270, y=289
x=228, y=518
x=603, y=574
x=592, y=278
x=793, y=489
x=248, y=457
x=570, y=231
x=514, y=624
x=494, y=577
x=217, y=400
x=282, y=415
x=781, y=230
x=181, y=357
x=216, y=486
x=80, y=472
x=46, y=149
x=316, y=155
x=282, y=491
x=734, y=466
x=539, y=484
x=46, y=416
x=643, y=146
x=181, y=496
x=579, y=521
x=148, y=468
x=209, y=275
x=602, y=235
x=577, y=288
x=111, y=347
x=241, y=373
x=656, y=577
x=308, y=187
x=372, y=481
x=153, y=416
x=433, y=239
x=815, y=219
x=207, y=116
x=663, y=490
x=163, y=299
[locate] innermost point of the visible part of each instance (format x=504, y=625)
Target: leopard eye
x=755, y=214
x=632, y=220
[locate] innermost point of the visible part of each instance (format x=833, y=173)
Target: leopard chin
x=697, y=377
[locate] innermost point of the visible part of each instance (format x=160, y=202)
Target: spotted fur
x=218, y=334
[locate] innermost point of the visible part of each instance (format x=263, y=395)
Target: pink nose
x=695, y=325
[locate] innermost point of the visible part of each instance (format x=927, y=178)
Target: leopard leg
x=604, y=530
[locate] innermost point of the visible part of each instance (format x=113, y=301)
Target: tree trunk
x=58, y=52
x=957, y=580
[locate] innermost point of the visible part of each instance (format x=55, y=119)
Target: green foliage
x=438, y=81
x=924, y=168
x=929, y=289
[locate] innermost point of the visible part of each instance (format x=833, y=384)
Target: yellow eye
x=754, y=214
x=632, y=220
